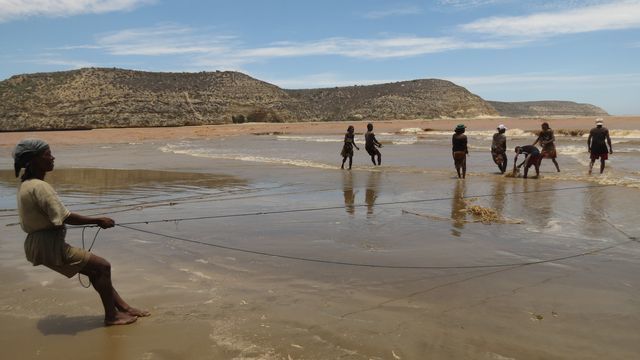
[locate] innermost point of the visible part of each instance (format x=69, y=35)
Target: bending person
x=532, y=158
x=43, y=218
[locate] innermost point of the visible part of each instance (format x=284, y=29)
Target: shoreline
x=128, y=135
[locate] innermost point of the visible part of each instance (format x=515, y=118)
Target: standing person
x=547, y=141
x=532, y=158
x=347, y=148
x=460, y=150
x=43, y=218
x=370, y=144
x=597, y=145
x=499, y=148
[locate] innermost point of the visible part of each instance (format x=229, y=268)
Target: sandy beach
x=248, y=242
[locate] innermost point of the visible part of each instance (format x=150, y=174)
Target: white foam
x=488, y=134
x=309, y=138
x=411, y=130
x=245, y=157
x=621, y=134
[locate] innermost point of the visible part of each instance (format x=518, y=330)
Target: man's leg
x=99, y=272
x=556, y=164
x=602, y=165
x=591, y=165
x=464, y=166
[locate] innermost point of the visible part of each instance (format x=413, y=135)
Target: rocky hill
x=546, y=108
x=102, y=98
x=99, y=98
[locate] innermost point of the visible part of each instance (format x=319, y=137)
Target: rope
x=332, y=262
x=89, y=250
x=273, y=212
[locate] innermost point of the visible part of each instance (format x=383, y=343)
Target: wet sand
x=214, y=303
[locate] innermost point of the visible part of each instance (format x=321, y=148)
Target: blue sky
x=505, y=50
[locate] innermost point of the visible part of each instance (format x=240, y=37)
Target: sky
x=584, y=51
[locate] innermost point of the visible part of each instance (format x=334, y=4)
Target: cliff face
x=99, y=98
x=546, y=108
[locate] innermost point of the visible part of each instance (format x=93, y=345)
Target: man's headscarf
x=25, y=151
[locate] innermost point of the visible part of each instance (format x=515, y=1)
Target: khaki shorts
x=74, y=261
x=48, y=248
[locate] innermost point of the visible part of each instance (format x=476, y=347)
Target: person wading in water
x=499, y=148
x=597, y=143
x=547, y=141
x=370, y=144
x=460, y=150
x=347, y=148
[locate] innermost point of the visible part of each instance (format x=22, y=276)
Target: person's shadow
x=69, y=325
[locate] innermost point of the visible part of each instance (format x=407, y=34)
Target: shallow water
x=250, y=239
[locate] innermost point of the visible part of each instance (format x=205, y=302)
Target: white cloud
x=162, y=40
x=610, y=16
x=12, y=9
x=547, y=80
x=400, y=11
x=321, y=80
x=225, y=49
x=465, y=4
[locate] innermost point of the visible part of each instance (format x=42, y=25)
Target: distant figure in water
x=532, y=158
x=347, y=148
x=547, y=141
x=597, y=145
x=499, y=148
x=43, y=218
x=460, y=150
x=371, y=144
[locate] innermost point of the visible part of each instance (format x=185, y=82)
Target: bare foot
x=137, y=312
x=120, y=319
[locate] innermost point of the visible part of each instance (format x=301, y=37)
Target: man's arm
x=77, y=219
x=538, y=140
x=609, y=143
x=589, y=141
x=523, y=161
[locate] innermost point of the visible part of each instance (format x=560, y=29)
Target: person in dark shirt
x=370, y=144
x=347, y=148
x=547, y=141
x=460, y=150
x=499, y=148
x=597, y=143
x=532, y=158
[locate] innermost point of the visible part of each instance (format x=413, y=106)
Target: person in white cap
x=499, y=148
x=597, y=144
